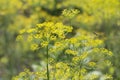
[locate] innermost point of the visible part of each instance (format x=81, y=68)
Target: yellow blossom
x=22, y=31
x=53, y=38
x=34, y=46
x=30, y=30
x=83, y=55
x=72, y=52
x=92, y=64
x=30, y=38
x=44, y=43
x=19, y=37
x=73, y=40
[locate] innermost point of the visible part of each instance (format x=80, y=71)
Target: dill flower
x=72, y=52
x=44, y=43
x=70, y=13
x=34, y=46
x=82, y=51
x=83, y=70
x=30, y=38
x=19, y=37
x=22, y=31
x=92, y=64
x=38, y=36
x=83, y=55
x=50, y=29
x=53, y=38
x=107, y=76
x=30, y=30
x=73, y=40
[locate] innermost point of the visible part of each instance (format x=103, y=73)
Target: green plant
x=76, y=58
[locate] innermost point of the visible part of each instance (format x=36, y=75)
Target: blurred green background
x=96, y=16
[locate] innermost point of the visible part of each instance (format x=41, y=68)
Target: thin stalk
x=48, y=78
x=54, y=72
x=80, y=69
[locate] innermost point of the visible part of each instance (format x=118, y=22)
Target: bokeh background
x=101, y=17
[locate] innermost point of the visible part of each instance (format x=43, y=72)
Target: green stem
x=47, y=65
x=80, y=69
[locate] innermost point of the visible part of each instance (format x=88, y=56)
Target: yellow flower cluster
x=70, y=13
x=85, y=48
x=44, y=33
x=92, y=64
x=34, y=46
x=55, y=30
x=20, y=37
x=102, y=51
x=72, y=52
x=73, y=40
x=77, y=59
x=94, y=43
x=69, y=58
x=44, y=44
